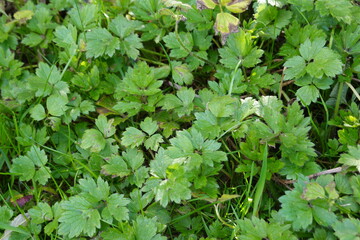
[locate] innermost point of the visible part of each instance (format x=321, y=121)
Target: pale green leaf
x=56, y=104
x=38, y=112
x=149, y=126
x=93, y=140
x=116, y=166
x=153, y=142
x=308, y=94
x=78, y=217
x=352, y=158
x=24, y=167
x=348, y=229
x=106, y=127
x=313, y=191
x=326, y=62
x=116, y=204
x=100, y=42
x=222, y=106
x=132, y=137
x=295, y=68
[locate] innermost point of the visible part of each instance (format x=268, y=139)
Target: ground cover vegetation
x=164, y=119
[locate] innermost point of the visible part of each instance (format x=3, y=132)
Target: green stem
x=220, y=218
x=354, y=90
x=151, y=61
x=338, y=99
x=326, y=111
x=287, y=98
x=152, y=52
x=261, y=183
x=233, y=77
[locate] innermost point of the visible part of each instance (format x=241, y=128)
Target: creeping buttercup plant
x=186, y=119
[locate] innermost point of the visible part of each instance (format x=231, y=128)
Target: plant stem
x=152, y=52
x=151, y=61
x=261, y=183
x=354, y=90
x=338, y=99
x=233, y=77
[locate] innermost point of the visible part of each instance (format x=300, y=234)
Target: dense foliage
x=164, y=119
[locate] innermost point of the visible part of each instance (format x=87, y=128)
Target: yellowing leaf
x=227, y=197
x=225, y=24
x=236, y=6
x=179, y=4
x=204, y=4
x=24, y=15
x=313, y=191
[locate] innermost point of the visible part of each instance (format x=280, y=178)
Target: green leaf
x=56, y=104
x=7, y=213
x=177, y=49
x=98, y=191
x=256, y=228
x=149, y=126
x=159, y=165
x=101, y=42
x=145, y=228
x=182, y=74
x=86, y=107
x=323, y=83
x=66, y=37
x=134, y=158
x=132, y=137
x=343, y=184
x=348, y=229
x=141, y=81
x=308, y=94
x=172, y=190
x=116, y=166
x=323, y=216
x=131, y=45
x=340, y=9
x=106, y=127
x=32, y=166
x=85, y=17
x=222, y=106
x=207, y=124
x=94, y=140
x=153, y=142
x=182, y=104
x=352, y=158
x=331, y=191
x=23, y=166
x=38, y=112
x=78, y=217
x=116, y=204
x=271, y=20
x=313, y=191
x=32, y=39
x=309, y=49
x=325, y=62
x=41, y=213
x=123, y=27
x=47, y=81
x=240, y=47
x=296, y=209
x=295, y=68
